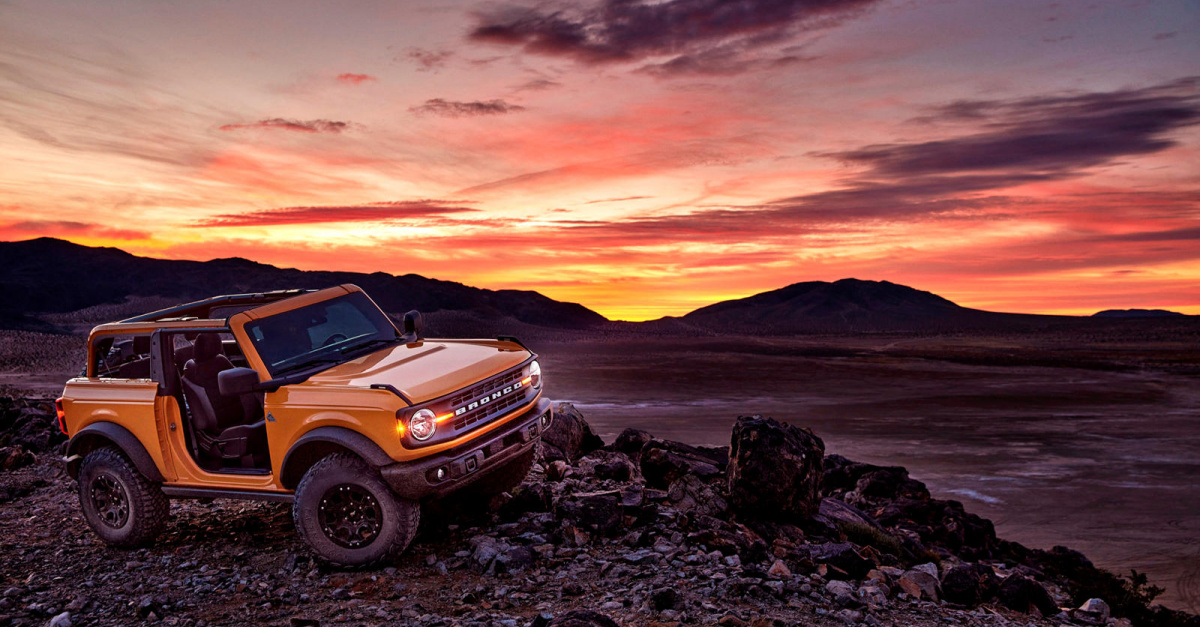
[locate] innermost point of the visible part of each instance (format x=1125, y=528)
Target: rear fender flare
x=311, y=446
x=103, y=433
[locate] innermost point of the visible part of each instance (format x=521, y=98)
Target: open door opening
x=224, y=433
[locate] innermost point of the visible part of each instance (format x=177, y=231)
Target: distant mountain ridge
x=848, y=305
x=46, y=275
x=1137, y=313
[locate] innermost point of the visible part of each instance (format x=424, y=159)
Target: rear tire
x=349, y=517
x=121, y=505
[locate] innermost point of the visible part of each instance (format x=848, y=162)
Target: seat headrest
x=207, y=346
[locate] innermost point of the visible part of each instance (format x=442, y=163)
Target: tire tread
x=410, y=511
x=146, y=497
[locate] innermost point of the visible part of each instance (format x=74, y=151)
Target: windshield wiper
x=309, y=364
x=369, y=344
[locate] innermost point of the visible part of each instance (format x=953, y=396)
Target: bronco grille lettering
x=490, y=400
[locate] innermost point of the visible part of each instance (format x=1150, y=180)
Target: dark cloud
x=1024, y=142
x=457, y=109
x=297, y=126
x=1187, y=234
x=397, y=210
x=428, y=60
x=538, y=84
x=698, y=36
x=355, y=79
x=1054, y=136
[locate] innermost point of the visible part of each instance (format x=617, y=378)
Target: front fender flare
x=342, y=437
x=121, y=437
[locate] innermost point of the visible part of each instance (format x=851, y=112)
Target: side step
x=178, y=492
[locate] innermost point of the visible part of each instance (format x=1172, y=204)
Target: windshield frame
x=320, y=358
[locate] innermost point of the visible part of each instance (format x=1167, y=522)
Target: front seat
x=228, y=427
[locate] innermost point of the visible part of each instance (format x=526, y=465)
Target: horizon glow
x=642, y=159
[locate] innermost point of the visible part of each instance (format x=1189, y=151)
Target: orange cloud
x=396, y=210
x=67, y=229
x=355, y=79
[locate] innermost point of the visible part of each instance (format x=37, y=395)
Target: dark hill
x=48, y=275
x=1137, y=313
x=848, y=305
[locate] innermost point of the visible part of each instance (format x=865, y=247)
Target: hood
x=427, y=369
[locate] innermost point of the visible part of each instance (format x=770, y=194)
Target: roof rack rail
x=201, y=309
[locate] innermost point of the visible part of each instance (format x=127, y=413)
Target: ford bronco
x=310, y=397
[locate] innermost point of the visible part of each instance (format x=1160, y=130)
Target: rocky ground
x=641, y=531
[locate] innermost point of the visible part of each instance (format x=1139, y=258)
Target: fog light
x=441, y=474
x=545, y=420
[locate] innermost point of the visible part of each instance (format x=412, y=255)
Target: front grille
x=489, y=411
x=486, y=412
x=487, y=387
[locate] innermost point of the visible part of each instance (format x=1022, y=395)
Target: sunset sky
x=641, y=158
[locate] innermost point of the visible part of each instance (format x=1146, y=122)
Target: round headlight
x=535, y=374
x=422, y=424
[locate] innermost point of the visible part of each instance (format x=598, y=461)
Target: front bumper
x=465, y=464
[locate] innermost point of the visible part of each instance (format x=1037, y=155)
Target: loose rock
x=1023, y=594
x=969, y=584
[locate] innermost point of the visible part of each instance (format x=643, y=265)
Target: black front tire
x=121, y=505
x=349, y=517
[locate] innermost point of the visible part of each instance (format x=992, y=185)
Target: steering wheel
x=333, y=339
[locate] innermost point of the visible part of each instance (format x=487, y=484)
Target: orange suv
x=310, y=397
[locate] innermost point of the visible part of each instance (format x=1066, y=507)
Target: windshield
x=325, y=333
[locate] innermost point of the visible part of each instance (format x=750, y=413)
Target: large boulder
x=943, y=523
x=569, y=436
x=690, y=494
x=1023, y=594
x=890, y=482
x=630, y=442
x=876, y=482
x=831, y=512
x=970, y=584
x=29, y=423
x=605, y=464
x=774, y=470
x=599, y=512
x=527, y=498
x=663, y=462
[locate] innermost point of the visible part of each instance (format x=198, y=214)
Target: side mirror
x=237, y=381
x=414, y=327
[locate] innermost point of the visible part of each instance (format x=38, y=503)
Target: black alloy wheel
x=350, y=516
x=110, y=500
